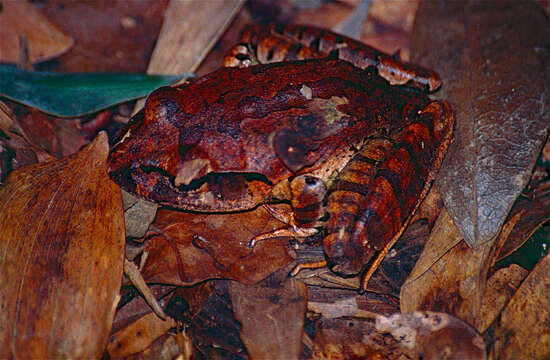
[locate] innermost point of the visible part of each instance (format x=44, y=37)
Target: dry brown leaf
x=494, y=61
x=44, y=40
x=138, y=336
x=449, y=276
x=227, y=41
x=61, y=255
x=186, y=37
x=272, y=316
x=500, y=288
x=522, y=332
x=190, y=248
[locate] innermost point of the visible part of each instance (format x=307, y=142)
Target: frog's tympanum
x=352, y=147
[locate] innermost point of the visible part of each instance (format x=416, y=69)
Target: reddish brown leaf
x=494, y=61
x=58, y=137
x=194, y=247
x=61, y=252
x=109, y=35
x=44, y=40
x=272, y=316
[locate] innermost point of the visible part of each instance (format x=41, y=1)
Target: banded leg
x=275, y=43
x=399, y=186
x=346, y=200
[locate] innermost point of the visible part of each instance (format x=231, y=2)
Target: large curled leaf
x=76, y=94
x=61, y=255
x=494, y=60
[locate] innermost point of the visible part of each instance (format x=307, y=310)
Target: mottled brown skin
x=275, y=43
x=312, y=132
x=246, y=121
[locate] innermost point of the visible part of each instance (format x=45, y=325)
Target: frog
x=347, y=148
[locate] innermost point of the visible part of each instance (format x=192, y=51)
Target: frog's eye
x=311, y=181
x=291, y=150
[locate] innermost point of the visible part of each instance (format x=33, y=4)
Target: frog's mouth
x=214, y=192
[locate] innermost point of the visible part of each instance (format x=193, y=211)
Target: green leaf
x=77, y=94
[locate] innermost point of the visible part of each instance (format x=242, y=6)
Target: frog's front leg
x=307, y=193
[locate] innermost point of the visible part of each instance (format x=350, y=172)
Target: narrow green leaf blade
x=77, y=94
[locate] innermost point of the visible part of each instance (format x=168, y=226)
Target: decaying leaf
x=494, y=61
x=44, y=40
x=352, y=338
x=418, y=335
x=138, y=214
x=189, y=248
x=272, y=316
x=61, y=253
x=522, y=332
x=430, y=335
x=210, y=323
x=450, y=276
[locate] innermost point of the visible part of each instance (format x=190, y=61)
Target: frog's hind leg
x=291, y=231
x=307, y=195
